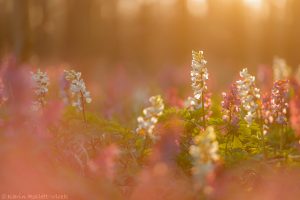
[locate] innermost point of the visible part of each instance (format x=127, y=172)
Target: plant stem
x=226, y=146
x=83, y=108
x=262, y=134
x=281, y=137
x=144, y=148
x=203, y=110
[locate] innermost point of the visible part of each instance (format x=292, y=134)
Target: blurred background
x=151, y=36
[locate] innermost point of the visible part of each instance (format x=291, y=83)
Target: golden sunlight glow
x=166, y=2
x=261, y=7
x=256, y=4
x=128, y=8
x=197, y=7
x=281, y=4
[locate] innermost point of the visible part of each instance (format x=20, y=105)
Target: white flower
x=265, y=129
x=250, y=117
x=41, y=82
x=147, y=122
x=79, y=93
x=199, y=77
x=204, y=153
x=199, y=74
x=190, y=103
x=281, y=70
x=249, y=95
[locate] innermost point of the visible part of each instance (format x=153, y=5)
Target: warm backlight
x=197, y=7
x=257, y=4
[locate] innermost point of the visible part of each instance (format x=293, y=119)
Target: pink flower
x=231, y=105
x=264, y=77
x=173, y=99
x=19, y=88
x=267, y=109
x=279, y=101
x=104, y=165
x=3, y=97
x=295, y=114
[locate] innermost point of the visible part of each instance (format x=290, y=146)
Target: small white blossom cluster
x=280, y=69
x=147, y=121
x=41, y=82
x=190, y=103
x=199, y=76
x=249, y=95
x=204, y=153
x=80, y=94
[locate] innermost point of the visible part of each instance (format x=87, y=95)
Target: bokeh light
x=197, y=7
x=149, y=99
x=254, y=3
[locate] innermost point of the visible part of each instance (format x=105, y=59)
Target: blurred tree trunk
x=144, y=42
x=111, y=34
x=293, y=30
x=180, y=33
x=41, y=43
x=4, y=32
x=77, y=34
x=21, y=36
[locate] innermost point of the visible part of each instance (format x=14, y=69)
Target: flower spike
x=204, y=153
x=41, y=82
x=80, y=95
x=279, y=101
x=231, y=105
x=249, y=95
x=148, y=120
x=199, y=76
x=281, y=71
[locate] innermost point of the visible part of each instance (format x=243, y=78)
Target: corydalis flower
x=231, y=105
x=64, y=87
x=249, y=95
x=267, y=109
x=3, y=97
x=279, y=101
x=204, y=153
x=41, y=83
x=295, y=113
x=190, y=103
x=80, y=94
x=266, y=112
x=199, y=74
x=199, y=77
x=193, y=104
x=148, y=120
x=280, y=69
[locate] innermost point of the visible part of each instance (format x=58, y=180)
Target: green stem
x=226, y=146
x=83, y=108
x=146, y=141
x=281, y=137
x=203, y=110
x=262, y=135
x=232, y=141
